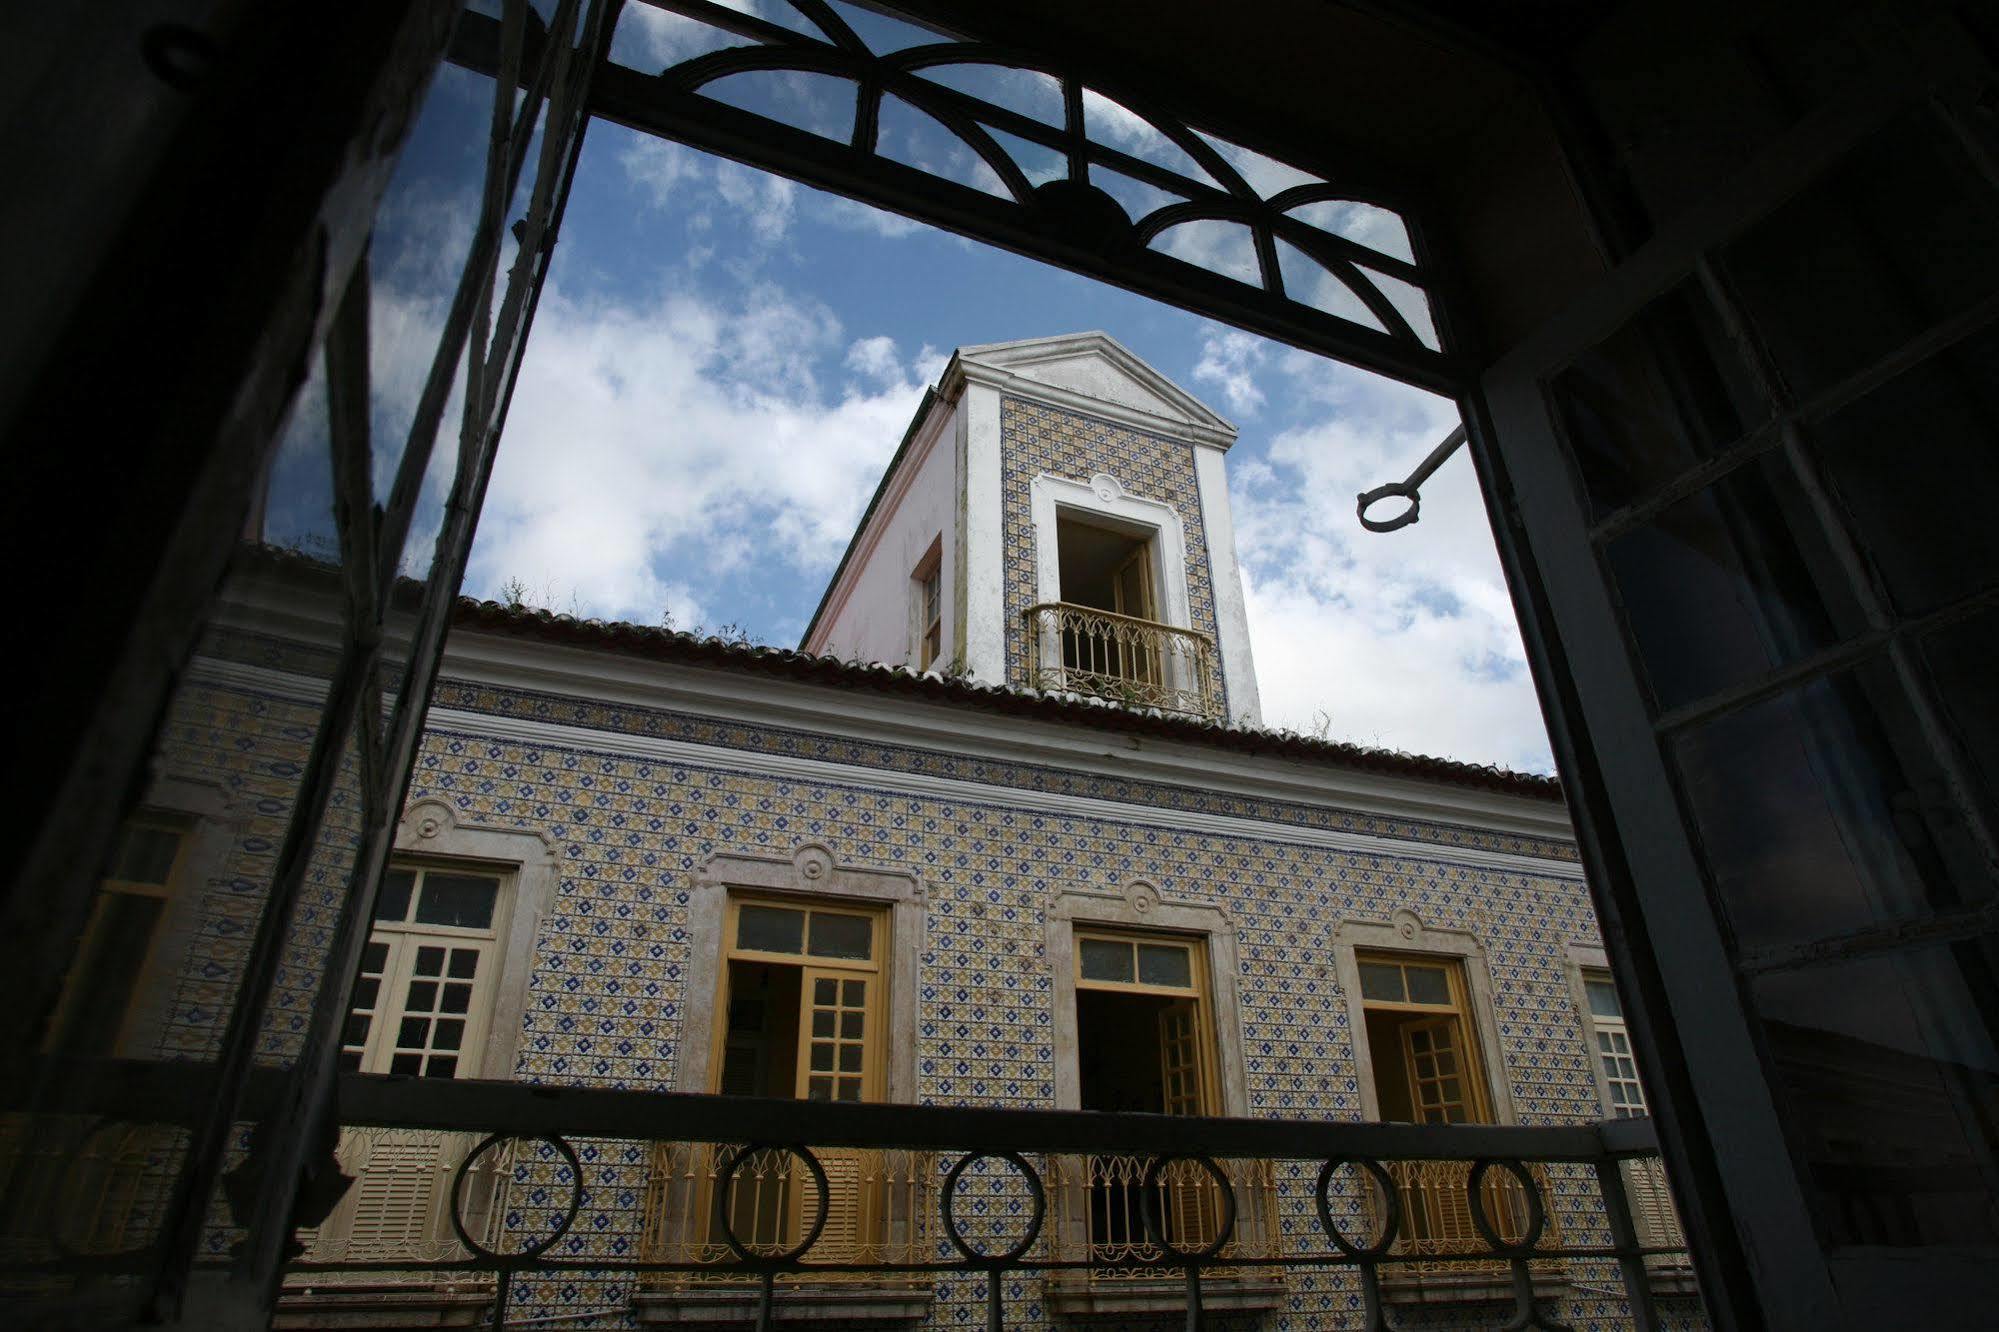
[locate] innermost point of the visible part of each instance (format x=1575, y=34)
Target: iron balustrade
x=1220, y=1205
x=1140, y=663
x=985, y=1190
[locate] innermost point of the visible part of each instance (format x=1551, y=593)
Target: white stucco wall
x=871, y=617
x=1225, y=575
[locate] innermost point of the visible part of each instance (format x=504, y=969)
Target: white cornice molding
x=991, y=366
x=818, y=771
x=757, y=699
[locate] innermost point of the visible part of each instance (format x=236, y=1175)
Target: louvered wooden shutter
x=846, y=1229
x=401, y=1202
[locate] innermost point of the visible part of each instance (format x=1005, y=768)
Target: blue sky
x=724, y=361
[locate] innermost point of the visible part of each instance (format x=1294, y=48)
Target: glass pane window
x=1165, y=964
x=771, y=929
x=841, y=936
x=1821, y=812
x=1383, y=981
x=1105, y=959
x=422, y=1000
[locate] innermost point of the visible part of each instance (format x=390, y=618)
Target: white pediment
x=1097, y=366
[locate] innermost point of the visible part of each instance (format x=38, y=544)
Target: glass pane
x=842, y=936
x=97, y=996
x=850, y=1058
x=1383, y=981
x=1959, y=660
x=819, y=1089
x=822, y=1024
x=771, y=929
x=1910, y=464
x=429, y=961
x=393, y=901
x=1820, y=812
x=1603, y=998
x=1895, y=239
x=1165, y=964
x=1105, y=959
x=852, y=992
x=147, y=855
x=1656, y=397
x=850, y=1025
x=464, y=963
x=1891, y=1073
x=825, y=992
x=1729, y=583
x=356, y=1031
x=460, y=900
x=365, y=991
x=448, y=1034
x=422, y=996
x=1428, y=985
x=441, y=1066
x=406, y=1065
x=375, y=957
x=414, y=1033
x=457, y=998
x=850, y=1089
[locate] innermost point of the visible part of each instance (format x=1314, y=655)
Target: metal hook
x=1407, y=487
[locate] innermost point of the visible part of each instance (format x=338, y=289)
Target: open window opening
x=1144, y=1042
x=1111, y=567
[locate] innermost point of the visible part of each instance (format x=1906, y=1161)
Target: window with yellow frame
x=1422, y=1041
x=800, y=1013
x=115, y=967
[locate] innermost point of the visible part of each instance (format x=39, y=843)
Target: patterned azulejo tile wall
x=1036, y=438
x=610, y=979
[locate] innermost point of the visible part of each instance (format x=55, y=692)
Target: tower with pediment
x=1056, y=518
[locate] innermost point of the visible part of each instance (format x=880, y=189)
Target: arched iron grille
x=1000, y=145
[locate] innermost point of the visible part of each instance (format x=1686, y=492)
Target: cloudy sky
x=724, y=361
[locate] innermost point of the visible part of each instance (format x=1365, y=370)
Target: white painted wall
x=1225, y=575
x=872, y=615
x=983, y=583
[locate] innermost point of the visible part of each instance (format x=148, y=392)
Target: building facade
x=1004, y=833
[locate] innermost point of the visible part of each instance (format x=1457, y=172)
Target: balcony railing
x=651, y=1191
x=1140, y=663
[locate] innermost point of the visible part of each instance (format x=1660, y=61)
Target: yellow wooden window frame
x=1457, y=1008
x=813, y=967
x=63, y=1017
x=1194, y=993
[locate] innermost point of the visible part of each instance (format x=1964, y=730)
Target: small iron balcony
x=1139, y=663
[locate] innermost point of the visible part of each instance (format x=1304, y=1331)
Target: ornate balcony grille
x=878, y=1206
x=993, y=1196
x=1139, y=663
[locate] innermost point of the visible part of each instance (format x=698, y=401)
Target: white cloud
x=1229, y=359
x=680, y=433
x=1404, y=640
x=694, y=185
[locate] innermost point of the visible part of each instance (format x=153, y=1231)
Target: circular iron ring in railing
x=1537, y=1214
x=60, y=1220
x=532, y=1250
x=1391, y=1227
x=1148, y=1206
x=728, y=1225
x=1035, y=1191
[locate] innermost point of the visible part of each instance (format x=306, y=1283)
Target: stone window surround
x=526, y=860
x=212, y=826
x=1405, y=932
x=1141, y=907
x=811, y=872
x=1104, y=496
x=1579, y=960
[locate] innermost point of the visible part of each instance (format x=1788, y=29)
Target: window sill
x=1473, y=1287
x=1081, y=1298
x=832, y=1306
x=330, y=1305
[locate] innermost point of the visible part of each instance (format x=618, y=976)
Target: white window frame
x=929, y=567
x=1105, y=499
